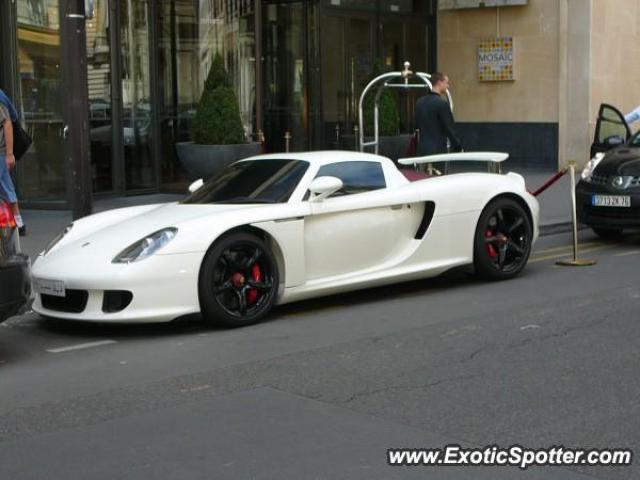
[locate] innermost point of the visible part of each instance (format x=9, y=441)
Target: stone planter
x=206, y=161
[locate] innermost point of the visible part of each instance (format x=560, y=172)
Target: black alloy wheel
x=503, y=240
x=238, y=281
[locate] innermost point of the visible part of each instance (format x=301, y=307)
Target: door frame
x=376, y=17
x=8, y=48
x=596, y=146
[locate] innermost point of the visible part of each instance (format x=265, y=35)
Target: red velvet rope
x=549, y=182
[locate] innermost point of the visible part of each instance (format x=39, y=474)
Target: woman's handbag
x=21, y=140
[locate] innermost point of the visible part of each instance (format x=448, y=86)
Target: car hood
x=623, y=161
x=116, y=234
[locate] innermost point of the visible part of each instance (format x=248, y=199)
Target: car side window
x=357, y=177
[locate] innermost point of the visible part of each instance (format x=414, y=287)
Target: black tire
x=502, y=242
x=232, y=292
x=608, y=233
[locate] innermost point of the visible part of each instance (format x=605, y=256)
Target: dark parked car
x=608, y=195
x=15, y=279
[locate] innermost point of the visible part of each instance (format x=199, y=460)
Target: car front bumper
x=607, y=217
x=162, y=288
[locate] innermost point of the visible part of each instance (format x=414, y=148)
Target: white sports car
x=280, y=228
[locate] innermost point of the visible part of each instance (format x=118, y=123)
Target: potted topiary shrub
x=217, y=131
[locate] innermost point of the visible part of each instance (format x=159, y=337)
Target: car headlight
x=57, y=239
x=587, y=171
x=146, y=247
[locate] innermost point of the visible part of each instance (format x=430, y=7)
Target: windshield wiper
x=245, y=200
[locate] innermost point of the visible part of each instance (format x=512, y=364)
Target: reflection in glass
x=346, y=69
x=99, y=88
x=41, y=174
x=258, y=181
x=285, y=83
x=392, y=42
x=136, y=125
x=189, y=36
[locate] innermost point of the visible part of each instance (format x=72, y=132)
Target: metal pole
x=576, y=262
x=355, y=135
x=76, y=129
x=259, y=73
x=287, y=139
x=117, y=149
x=574, y=216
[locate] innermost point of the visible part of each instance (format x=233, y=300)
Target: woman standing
x=8, y=115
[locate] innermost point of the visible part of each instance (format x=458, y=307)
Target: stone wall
x=533, y=96
x=615, y=69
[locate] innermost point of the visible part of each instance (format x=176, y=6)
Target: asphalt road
x=325, y=387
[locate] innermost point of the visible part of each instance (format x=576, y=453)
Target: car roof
x=323, y=157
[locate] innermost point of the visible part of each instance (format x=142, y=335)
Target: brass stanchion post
x=576, y=262
x=355, y=135
x=287, y=140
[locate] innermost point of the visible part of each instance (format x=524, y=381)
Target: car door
x=611, y=129
x=359, y=228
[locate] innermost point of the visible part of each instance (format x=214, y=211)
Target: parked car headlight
x=146, y=247
x=57, y=239
x=591, y=165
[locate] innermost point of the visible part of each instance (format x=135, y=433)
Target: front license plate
x=49, y=287
x=611, y=201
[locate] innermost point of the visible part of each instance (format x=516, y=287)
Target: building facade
x=297, y=66
x=569, y=57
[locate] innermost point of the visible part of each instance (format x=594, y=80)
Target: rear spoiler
x=495, y=157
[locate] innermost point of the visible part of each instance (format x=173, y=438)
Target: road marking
x=625, y=254
x=81, y=346
x=583, y=245
x=195, y=389
x=527, y=327
x=567, y=254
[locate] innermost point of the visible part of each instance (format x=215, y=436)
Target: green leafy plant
x=217, y=120
x=388, y=116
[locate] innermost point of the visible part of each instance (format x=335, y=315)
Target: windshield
x=253, y=181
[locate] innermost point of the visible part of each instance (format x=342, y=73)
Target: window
x=357, y=177
x=252, y=181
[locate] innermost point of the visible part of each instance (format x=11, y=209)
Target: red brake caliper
x=252, y=293
x=491, y=250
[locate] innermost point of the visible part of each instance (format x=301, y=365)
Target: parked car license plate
x=611, y=201
x=49, y=287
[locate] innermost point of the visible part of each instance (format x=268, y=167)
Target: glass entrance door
x=139, y=166
x=99, y=89
x=285, y=92
x=41, y=174
x=346, y=59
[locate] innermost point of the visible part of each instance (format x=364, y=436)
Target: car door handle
x=397, y=207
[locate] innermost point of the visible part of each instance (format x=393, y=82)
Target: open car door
x=611, y=129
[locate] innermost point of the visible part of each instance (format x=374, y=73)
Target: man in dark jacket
x=435, y=120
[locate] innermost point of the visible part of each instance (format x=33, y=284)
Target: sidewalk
x=43, y=225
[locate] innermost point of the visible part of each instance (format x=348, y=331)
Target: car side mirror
x=614, y=140
x=323, y=187
x=196, y=185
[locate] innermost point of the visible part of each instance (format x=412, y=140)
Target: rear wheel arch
x=521, y=201
x=502, y=251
